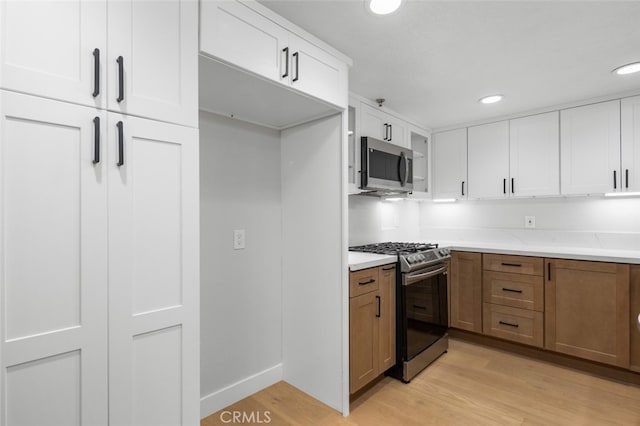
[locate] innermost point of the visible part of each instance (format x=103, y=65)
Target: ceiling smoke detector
x=380, y=101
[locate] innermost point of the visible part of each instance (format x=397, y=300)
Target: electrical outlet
x=529, y=221
x=238, y=239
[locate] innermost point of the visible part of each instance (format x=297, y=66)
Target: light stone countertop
x=359, y=261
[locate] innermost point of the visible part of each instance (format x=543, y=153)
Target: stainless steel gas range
x=421, y=304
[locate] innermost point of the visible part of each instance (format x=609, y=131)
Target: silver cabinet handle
x=638, y=322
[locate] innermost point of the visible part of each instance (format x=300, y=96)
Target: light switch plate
x=529, y=221
x=238, y=239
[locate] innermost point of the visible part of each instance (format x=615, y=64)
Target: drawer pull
x=518, y=265
x=420, y=307
x=366, y=282
x=391, y=268
x=511, y=290
x=508, y=323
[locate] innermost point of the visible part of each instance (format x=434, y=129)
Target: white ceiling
x=433, y=60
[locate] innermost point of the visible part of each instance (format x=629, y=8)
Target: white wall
x=372, y=220
x=314, y=276
x=589, y=222
x=241, y=290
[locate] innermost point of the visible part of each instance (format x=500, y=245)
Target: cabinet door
x=373, y=123
x=630, y=120
x=387, y=317
x=466, y=291
x=48, y=49
x=450, y=164
x=590, y=149
x=634, y=316
x=317, y=73
x=534, y=155
x=488, y=160
x=53, y=286
x=153, y=273
x=158, y=43
x=587, y=310
x=364, y=340
x=240, y=36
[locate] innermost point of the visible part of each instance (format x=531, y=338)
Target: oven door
x=424, y=306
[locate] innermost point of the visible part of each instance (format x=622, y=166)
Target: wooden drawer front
x=514, y=264
x=363, y=281
x=518, y=325
x=519, y=291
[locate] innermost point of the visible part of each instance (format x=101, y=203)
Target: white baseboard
x=226, y=396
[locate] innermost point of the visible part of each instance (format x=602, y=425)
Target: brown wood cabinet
x=587, y=310
x=372, y=324
x=513, y=294
x=634, y=311
x=465, y=296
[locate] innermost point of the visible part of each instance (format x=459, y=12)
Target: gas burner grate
x=398, y=248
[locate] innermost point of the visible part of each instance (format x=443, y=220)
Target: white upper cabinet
x=153, y=59
x=55, y=49
x=488, y=160
x=590, y=149
x=380, y=125
x=534, y=155
x=237, y=34
x=450, y=164
x=316, y=72
x=251, y=37
x=630, y=120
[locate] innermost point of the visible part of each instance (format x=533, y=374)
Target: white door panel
x=630, y=144
x=450, y=164
x=238, y=35
x=153, y=282
x=158, y=43
x=590, y=149
x=534, y=150
x=48, y=48
x=488, y=160
x=53, y=288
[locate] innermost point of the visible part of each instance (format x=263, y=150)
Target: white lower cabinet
x=99, y=282
x=53, y=254
x=153, y=273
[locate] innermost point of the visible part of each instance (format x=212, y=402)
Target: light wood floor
x=470, y=385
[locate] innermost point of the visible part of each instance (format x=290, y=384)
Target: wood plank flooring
x=469, y=385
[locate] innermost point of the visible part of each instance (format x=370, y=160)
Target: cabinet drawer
x=516, y=290
x=514, y=264
x=518, y=325
x=363, y=281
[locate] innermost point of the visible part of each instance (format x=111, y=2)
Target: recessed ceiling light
x=627, y=69
x=384, y=7
x=491, y=99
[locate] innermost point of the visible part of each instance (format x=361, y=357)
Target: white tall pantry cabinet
x=99, y=213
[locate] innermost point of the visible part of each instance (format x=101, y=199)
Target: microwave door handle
x=401, y=175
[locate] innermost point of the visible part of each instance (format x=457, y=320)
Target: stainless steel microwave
x=385, y=168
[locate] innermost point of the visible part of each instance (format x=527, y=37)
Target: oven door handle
x=411, y=279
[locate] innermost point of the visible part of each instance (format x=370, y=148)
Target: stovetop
x=392, y=248
x=411, y=256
